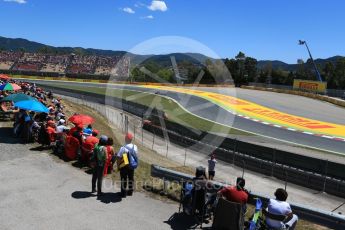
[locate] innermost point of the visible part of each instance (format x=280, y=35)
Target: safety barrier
x=118, y=82
x=328, y=219
x=329, y=99
x=318, y=174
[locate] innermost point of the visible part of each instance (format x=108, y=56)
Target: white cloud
x=148, y=17
x=128, y=10
x=139, y=5
x=158, y=5
x=17, y=1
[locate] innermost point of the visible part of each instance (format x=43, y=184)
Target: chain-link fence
x=318, y=174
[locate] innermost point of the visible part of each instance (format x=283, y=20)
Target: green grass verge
x=174, y=111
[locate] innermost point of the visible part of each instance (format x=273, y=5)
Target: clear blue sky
x=264, y=29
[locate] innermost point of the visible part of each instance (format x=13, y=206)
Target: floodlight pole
x=315, y=67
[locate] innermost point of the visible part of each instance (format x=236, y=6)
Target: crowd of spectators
x=105, y=65
x=7, y=59
x=72, y=64
x=30, y=62
x=82, y=64
x=56, y=63
x=71, y=138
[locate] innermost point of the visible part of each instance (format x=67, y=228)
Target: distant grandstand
x=72, y=64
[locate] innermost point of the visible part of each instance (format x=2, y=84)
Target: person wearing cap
x=61, y=126
x=126, y=172
x=99, y=158
x=87, y=131
x=51, y=131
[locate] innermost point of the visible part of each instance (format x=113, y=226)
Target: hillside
x=163, y=60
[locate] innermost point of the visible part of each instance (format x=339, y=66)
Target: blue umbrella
x=18, y=97
x=32, y=105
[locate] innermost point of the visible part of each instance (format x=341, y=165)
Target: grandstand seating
x=71, y=64
x=56, y=63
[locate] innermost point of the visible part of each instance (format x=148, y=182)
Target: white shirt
x=126, y=148
x=278, y=208
x=60, y=128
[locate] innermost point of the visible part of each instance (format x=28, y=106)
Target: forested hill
x=164, y=60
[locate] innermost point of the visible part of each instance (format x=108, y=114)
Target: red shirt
x=90, y=143
x=51, y=133
x=72, y=130
x=71, y=147
x=231, y=193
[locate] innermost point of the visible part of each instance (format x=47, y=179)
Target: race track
x=290, y=104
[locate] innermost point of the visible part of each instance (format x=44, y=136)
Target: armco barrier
x=71, y=77
x=332, y=100
x=271, y=162
x=328, y=219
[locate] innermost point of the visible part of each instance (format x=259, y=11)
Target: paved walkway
x=40, y=192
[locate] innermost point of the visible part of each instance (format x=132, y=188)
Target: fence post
x=234, y=152
x=325, y=181
x=185, y=156
x=273, y=162
x=153, y=139
x=167, y=150
x=142, y=135
x=244, y=165
x=126, y=124
x=134, y=130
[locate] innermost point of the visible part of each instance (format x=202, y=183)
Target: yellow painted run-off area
x=261, y=113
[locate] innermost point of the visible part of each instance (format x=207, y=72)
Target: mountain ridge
x=18, y=44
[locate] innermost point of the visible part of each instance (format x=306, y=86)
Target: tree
x=340, y=73
x=166, y=75
x=329, y=73
x=250, y=68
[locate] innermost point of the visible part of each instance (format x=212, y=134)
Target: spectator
x=72, y=147
x=110, y=153
x=75, y=128
x=61, y=126
x=99, y=157
x=212, y=166
x=236, y=193
x=126, y=172
x=51, y=131
x=88, y=146
x=199, y=190
x=279, y=206
x=87, y=131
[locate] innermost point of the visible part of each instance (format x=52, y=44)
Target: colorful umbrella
x=4, y=77
x=10, y=87
x=81, y=119
x=18, y=97
x=32, y=105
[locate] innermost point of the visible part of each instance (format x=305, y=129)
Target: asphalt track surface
x=291, y=104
